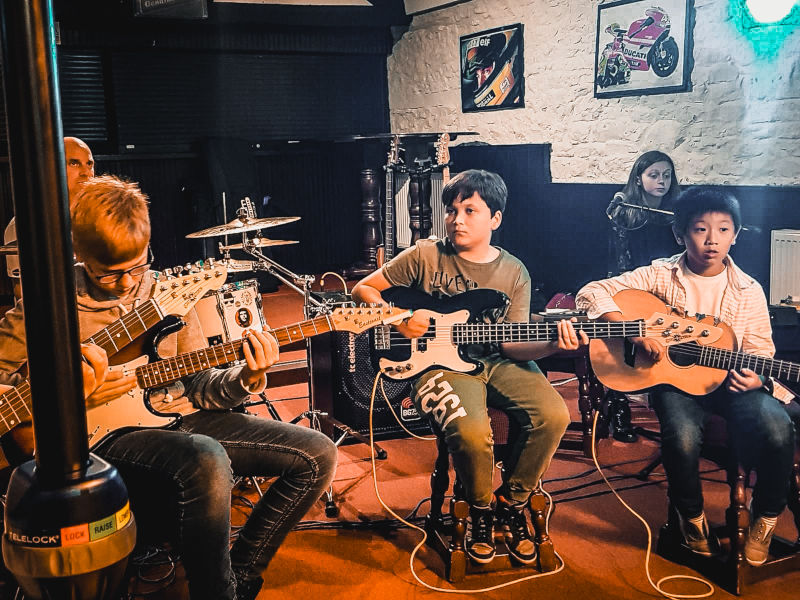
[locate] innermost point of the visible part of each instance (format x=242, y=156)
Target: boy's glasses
x=115, y=276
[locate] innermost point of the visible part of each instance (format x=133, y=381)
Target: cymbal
x=260, y=243
x=10, y=248
x=242, y=225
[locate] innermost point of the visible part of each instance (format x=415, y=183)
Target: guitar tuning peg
x=168, y=273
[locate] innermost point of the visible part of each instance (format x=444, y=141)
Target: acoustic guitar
x=696, y=364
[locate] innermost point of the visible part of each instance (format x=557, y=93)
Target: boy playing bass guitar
x=702, y=281
x=474, y=202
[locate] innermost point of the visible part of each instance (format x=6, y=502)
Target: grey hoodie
x=209, y=389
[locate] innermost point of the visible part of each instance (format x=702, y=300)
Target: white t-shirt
x=704, y=294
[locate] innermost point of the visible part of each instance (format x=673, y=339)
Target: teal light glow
x=769, y=11
x=754, y=19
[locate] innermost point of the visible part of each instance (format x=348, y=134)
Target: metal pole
x=45, y=247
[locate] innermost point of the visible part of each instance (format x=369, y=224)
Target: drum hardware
x=314, y=305
x=256, y=243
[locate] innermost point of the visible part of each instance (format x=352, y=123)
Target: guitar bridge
x=383, y=340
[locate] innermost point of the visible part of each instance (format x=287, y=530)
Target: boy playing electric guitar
x=180, y=481
x=704, y=280
x=475, y=201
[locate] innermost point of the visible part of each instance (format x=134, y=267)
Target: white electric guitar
x=171, y=295
x=135, y=410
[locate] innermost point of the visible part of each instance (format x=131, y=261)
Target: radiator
x=402, y=219
x=784, y=266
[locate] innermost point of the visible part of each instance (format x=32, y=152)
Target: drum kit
x=238, y=304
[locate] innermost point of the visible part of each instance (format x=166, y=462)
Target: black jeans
x=180, y=482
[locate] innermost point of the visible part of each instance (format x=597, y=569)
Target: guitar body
x=405, y=359
x=615, y=367
x=133, y=410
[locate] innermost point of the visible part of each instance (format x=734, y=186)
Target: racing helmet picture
x=491, y=69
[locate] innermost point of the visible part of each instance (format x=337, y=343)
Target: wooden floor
x=362, y=553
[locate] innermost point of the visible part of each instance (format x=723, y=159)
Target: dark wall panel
x=168, y=100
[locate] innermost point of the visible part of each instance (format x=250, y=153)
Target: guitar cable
x=648, y=552
x=421, y=543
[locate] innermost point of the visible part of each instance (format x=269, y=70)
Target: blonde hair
x=110, y=220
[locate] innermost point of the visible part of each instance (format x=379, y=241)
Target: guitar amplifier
x=342, y=378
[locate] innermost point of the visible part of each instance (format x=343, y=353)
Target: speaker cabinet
x=342, y=375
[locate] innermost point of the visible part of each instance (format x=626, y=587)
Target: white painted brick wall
x=739, y=125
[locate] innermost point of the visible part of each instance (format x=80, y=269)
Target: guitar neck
x=168, y=370
x=388, y=238
x=719, y=358
x=469, y=333
x=123, y=331
x=15, y=404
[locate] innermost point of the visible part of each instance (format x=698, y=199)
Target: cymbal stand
x=311, y=308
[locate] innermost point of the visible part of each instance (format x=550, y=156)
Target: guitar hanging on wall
x=385, y=252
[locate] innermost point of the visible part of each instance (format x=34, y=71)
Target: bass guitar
x=469, y=318
x=696, y=365
x=134, y=410
x=171, y=295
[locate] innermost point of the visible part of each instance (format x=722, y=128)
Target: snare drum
x=225, y=314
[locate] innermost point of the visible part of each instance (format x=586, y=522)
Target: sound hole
x=685, y=355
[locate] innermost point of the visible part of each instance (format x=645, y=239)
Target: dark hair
x=700, y=200
x=633, y=191
x=489, y=186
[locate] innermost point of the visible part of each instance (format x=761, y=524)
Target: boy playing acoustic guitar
x=474, y=203
x=704, y=280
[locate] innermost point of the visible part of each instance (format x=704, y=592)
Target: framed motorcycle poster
x=492, y=69
x=643, y=47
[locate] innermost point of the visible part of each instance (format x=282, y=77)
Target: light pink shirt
x=743, y=307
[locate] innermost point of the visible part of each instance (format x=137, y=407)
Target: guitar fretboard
x=123, y=331
x=719, y=358
x=388, y=241
x=480, y=333
x=171, y=369
x=15, y=404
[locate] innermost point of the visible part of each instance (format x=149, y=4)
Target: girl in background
x=637, y=237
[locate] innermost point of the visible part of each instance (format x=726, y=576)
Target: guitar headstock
x=443, y=150
x=358, y=319
x=671, y=329
x=176, y=294
x=394, y=151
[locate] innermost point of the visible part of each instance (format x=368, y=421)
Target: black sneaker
x=519, y=541
x=247, y=589
x=480, y=537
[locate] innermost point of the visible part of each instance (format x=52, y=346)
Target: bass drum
x=225, y=314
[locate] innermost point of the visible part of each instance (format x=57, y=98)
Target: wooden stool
x=447, y=535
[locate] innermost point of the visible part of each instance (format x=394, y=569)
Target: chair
x=447, y=535
x=731, y=570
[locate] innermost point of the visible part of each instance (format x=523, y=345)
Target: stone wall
x=739, y=125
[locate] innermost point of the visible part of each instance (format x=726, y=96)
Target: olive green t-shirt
x=433, y=266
